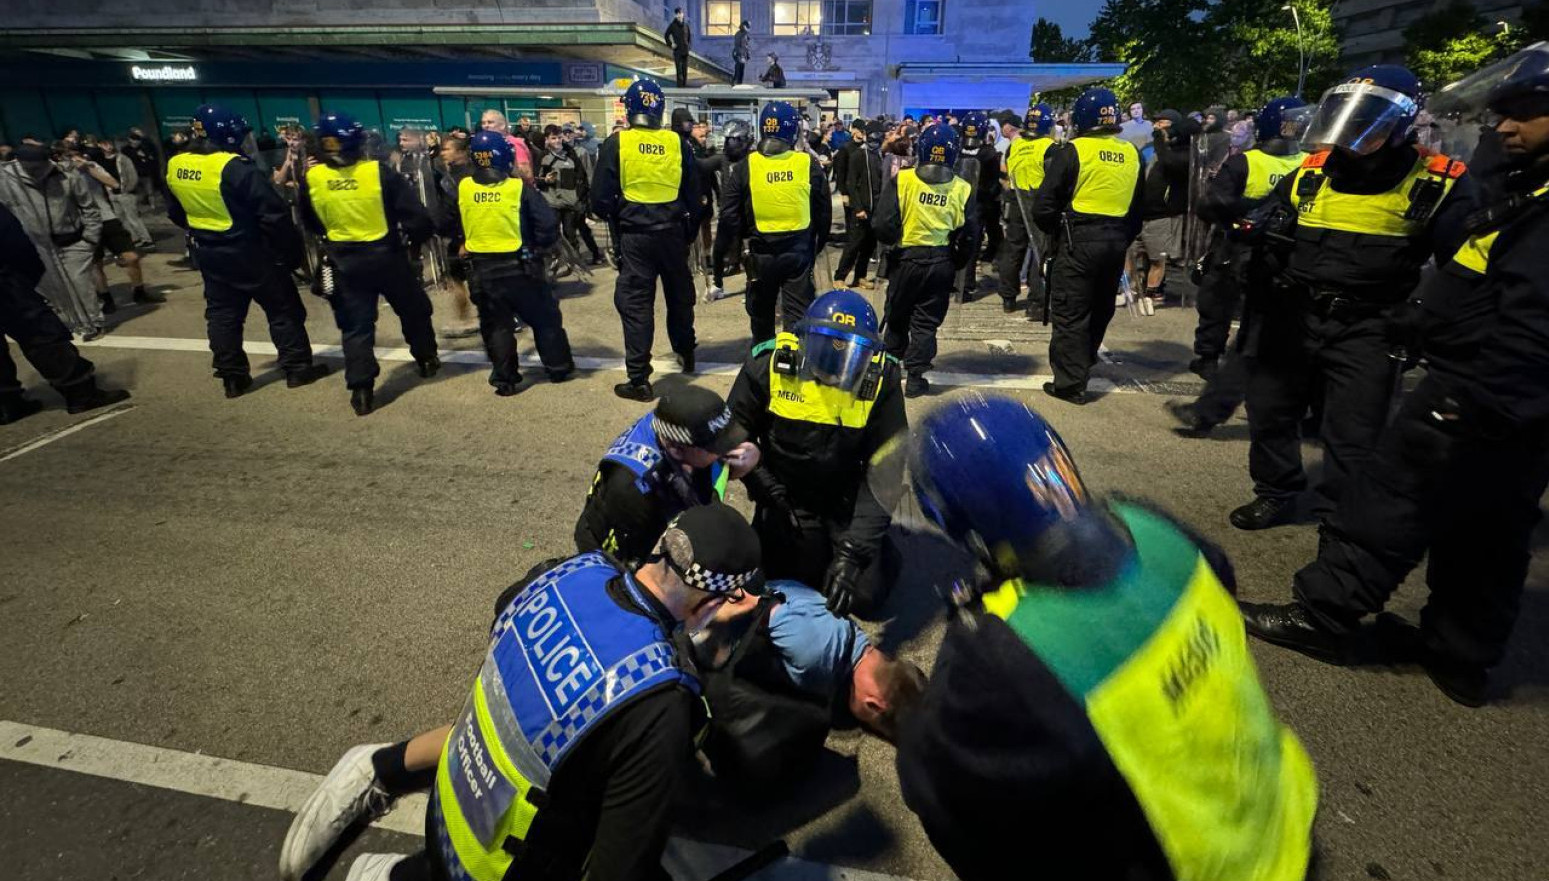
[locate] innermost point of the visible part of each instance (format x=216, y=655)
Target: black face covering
x=34, y=160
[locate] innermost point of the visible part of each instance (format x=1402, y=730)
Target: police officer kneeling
x=926, y=214
x=1094, y=710
x=502, y=220
x=777, y=199
x=369, y=214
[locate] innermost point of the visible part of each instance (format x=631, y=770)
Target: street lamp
x=1301, y=51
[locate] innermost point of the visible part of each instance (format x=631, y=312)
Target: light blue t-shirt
x=818, y=650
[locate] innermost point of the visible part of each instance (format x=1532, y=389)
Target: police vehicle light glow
x=165, y=73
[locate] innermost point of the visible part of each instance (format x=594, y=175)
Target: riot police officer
x=927, y=213
x=647, y=189
x=1094, y=695
x=1024, y=172
x=1090, y=207
x=979, y=164
x=1459, y=472
x=502, y=222
x=1370, y=209
x=247, y=246
x=820, y=403
x=369, y=216
x=778, y=201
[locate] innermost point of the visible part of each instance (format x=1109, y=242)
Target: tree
x=1258, y=52
x=1167, y=48
x=1050, y=46
x=1455, y=41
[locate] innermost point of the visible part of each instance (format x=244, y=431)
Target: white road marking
x=65, y=432
x=285, y=790
x=529, y=359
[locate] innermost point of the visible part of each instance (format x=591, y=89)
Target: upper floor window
x=722, y=17
x=922, y=16
x=837, y=17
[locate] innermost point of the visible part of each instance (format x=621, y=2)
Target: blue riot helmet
x=220, y=126
x=489, y=150
x=1522, y=91
x=644, y=104
x=1039, y=119
x=1373, y=108
x=997, y=479
x=779, y=120
x=341, y=138
x=974, y=128
x=1273, y=122
x=1095, y=109
x=937, y=145
x=839, y=342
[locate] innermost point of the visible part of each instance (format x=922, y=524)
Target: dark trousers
x=1083, y=282
x=989, y=225
x=859, y=245
x=643, y=258
x=236, y=275
x=43, y=339
x=1219, y=294
x=1014, y=247
x=680, y=69
x=585, y=231
x=1225, y=391
x=724, y=247
x=918, y=295
x=504, y=290
x=1467, y=497
x=738, y=69
x=364, y=274
x=784, y=276
x=1301, y=353
x=572, y=224
x=804, y=555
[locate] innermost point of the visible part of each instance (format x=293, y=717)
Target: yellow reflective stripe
x=1228, y=791
x=782, y=191
x=1002, y=601
x=195, y=181
x=791, y=397
x=484, y=863
x=348, y=201
x=1475, y=253
x=1265, y=171
x=1378, y=214
x=650, y=165
x=720, y=483
x=491, y=215
x=930, y=211
x=1024, y=162
x=1105, y=182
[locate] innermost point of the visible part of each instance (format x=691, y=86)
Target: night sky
x=1071, y=15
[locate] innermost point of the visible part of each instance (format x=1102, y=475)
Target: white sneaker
x=714, y=292
x=347, y=795
x=373, y=866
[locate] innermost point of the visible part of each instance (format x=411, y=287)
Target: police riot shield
x=967, y=169
x=1197, y=233
x=415, y=164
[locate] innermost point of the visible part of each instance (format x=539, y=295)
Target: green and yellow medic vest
x=650, y=165
x=195, y=181
x=491, y=215
x=804, y=400
x=563, y=658
x=348, y=201
x=930, y=212
x=1109, y=171
x=1024, y=162
x=1266, y=170
x=1159, y=659
x=781, y=188
x=1401, y=212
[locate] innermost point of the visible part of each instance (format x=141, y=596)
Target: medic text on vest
x=1189, y=663
x=778, y=177
x=652, y=149
x=562, y=663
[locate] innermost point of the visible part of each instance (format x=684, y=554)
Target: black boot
x=236, y=386
x=108, y=306
x=85, y=396
x=306, y=375
x=1402, y=643
x=14, y=406
x=429, y=367
x=1263, y=512
x=916, y=386
x=1190, y=423
x=635, y=391
x=1205, y=367
x=361, y=400
x=563, y=374
x=1291, y=626
x=144, y=297
x=507, y=389
x=1078, y=398
x=686, y=361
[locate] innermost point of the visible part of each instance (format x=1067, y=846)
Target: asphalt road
x=273, y=580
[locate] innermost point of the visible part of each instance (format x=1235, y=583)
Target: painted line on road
x=284, y=789
x=529, y=359
x=60, y=433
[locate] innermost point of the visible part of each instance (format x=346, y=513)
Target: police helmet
x=341, y=137
x=644, y=103
x=779, y=120
x=220, y=126
x=736, y=139
x=839, y=338
x=997, y=478
x=1039, y=119
x=1523, y=88
x=938, y=145
x=1095, y=109
x=1273, y=122
x=1373, y=108
x=490, y=150
x=974, y=128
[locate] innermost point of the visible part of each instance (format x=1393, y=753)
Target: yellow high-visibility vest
x=1374, y=214
x=1024, y=162
x=195, y=181
x=349, y=201
x=781, y=187
x=1110, y=170
x=930, y=212
x=491, y=215
x=650, y=165
x=804, y=400
x=1265, y=171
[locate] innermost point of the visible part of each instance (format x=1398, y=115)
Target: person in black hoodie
x=864, y=175
x=839, y=170
x=1167, y=198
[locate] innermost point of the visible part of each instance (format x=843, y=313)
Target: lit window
x=722, y=17
x=922, y=16
x=796, y=17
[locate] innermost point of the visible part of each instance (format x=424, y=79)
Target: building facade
x=1373, y=30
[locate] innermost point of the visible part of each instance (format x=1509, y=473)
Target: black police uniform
x=779, y=263
x=1088, y=239
x=250, y=262
x=866, y=174
x=1325, y=321
x=652, y=241
x=987, y=211
x=376, y=268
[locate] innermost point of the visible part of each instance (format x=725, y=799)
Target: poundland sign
x=164, y=73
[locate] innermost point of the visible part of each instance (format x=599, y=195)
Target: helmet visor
x=835, y=358
x=1359, y=117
